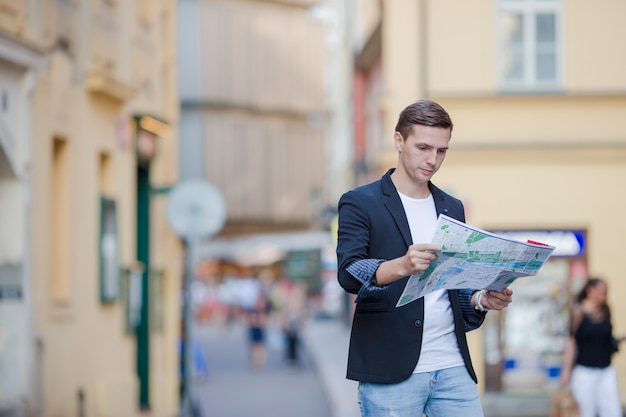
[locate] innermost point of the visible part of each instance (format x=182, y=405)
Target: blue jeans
x=445, y=393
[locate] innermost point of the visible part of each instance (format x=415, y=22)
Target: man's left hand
x=494, y=300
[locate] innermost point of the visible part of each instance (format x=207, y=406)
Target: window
x=109, y=239
x=109, y=251
x=530, y=45
x=60, y=224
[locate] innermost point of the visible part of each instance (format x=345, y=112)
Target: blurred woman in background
x=587, y=366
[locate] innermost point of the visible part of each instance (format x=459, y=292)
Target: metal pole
x=188, y=406
x=195, y=210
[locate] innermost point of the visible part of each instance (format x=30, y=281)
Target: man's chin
x=422, y=177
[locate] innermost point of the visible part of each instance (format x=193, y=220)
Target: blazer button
x=418, y=323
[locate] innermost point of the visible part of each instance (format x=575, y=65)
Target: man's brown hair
x=423, y=112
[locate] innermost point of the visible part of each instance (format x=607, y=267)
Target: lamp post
x=196, y=210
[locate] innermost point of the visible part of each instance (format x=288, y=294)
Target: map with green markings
x=475, y=259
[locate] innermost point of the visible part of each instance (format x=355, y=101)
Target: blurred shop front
x=300, y=256
x=524, y=343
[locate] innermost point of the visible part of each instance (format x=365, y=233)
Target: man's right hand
x=418, y=257
x=416, y=260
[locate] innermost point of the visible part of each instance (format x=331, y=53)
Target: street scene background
x=170, y=172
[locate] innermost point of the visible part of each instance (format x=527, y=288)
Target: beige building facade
x=90, y=268
x=254, y=113
x=538, y=97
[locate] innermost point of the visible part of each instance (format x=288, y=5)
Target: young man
x=412, y=359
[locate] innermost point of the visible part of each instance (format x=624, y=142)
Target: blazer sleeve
x=353, y=245
x=472, y=318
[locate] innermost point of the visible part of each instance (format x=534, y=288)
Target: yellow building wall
x=83, y=347
x=460, y=56
x=460, y=53
x=402, y=82
x=594, y=63
x=83, y=343
x=540, y=121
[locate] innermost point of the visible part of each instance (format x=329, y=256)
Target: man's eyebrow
x=426, y=145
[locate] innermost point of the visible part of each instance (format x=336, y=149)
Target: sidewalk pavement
x=326, y=341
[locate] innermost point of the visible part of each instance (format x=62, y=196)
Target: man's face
x=422, y=152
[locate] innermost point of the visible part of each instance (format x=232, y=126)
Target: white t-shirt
x=440, y=349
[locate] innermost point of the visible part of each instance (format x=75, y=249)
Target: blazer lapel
x=396, y=209
x=446, y=205
x=439, y=200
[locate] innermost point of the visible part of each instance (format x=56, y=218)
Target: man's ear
x=398, y=141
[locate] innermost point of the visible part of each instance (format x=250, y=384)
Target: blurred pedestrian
x=248, y=287
x=413, y=359
x=199, y=367
x=587, y=366
x=293, y=317
x=257, y=318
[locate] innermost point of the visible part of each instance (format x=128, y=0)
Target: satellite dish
x=196, y=208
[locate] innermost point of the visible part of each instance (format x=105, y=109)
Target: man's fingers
x=418, y=257
x=507, y=291
x=424, y=251
x=499, y=300
x=427, y=247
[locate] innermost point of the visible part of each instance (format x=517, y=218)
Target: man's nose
x=432, y=157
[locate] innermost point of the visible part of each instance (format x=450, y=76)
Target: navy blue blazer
x=385, y=341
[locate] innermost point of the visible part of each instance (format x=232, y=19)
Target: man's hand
x=494, y=300
x=418, y=257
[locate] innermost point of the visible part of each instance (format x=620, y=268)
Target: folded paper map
x=475, y=259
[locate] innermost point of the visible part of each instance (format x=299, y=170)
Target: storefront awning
x=263, y=249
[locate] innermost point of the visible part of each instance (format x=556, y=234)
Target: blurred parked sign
x=196, y=209
x=305, y=265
